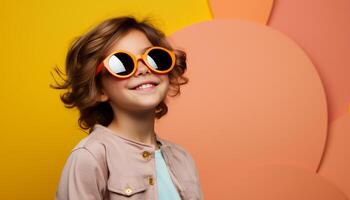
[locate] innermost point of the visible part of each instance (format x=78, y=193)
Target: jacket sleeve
x=196, y=174
x=81, y=178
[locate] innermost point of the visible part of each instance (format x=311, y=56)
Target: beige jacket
x=107, y=166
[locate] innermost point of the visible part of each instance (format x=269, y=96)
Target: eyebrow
x=144, y=49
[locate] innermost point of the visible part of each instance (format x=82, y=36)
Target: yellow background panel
x=37, y=131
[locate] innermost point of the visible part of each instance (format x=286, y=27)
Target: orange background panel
x=253, y=97
x=336, y=162
x=322, y=29
x=255, y=10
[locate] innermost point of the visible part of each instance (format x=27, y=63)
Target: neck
x=136, y=126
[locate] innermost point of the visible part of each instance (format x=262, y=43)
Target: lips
x=144, y=82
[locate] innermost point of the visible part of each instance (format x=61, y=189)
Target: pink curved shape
x=276, y=182
x=253, y=97
x=322, y=28
x=336, y=163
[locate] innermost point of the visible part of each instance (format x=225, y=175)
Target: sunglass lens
x=121, y=64
x=159, y=59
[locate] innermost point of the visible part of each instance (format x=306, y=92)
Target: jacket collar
x=163, y=143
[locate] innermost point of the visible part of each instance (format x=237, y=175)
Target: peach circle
x=253, y=97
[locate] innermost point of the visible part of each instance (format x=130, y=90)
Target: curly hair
x=87, y=51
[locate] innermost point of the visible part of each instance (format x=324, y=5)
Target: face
x=120, y=93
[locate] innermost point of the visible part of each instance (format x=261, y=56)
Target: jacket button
x=151, y=180
x=128, y=190
x=146, y=155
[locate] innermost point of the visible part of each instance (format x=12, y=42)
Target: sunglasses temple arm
x=99, y=69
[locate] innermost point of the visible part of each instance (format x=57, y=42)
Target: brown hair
x=87, y=51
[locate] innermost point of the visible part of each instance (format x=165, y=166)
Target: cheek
x=121, y=84
x=165, y=82
x=164, y=78
x=113, y=85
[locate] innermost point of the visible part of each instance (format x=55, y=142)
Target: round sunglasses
x=123, y=64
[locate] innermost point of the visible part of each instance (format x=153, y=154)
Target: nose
x=141, y=68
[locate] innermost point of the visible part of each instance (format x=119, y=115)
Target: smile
x=145, y=88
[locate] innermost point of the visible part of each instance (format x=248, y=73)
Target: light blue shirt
x=166, y=188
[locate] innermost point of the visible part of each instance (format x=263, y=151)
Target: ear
x=102, y=97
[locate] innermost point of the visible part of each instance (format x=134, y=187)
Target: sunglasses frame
x=135, y=59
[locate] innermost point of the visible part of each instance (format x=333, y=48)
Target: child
x=118, y=76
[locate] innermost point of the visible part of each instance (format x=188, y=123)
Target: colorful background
x=265, y=115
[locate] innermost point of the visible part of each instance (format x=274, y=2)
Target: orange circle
x=253, y=97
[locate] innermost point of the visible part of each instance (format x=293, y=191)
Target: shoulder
x=90, y=146
x=180, y=152
x=91, y=142
x=86, y=158
x=186, y=168
x=175, y=147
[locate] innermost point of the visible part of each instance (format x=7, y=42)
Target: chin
x=140, y=108
x=148, y=103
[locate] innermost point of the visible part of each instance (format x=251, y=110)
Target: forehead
x=134, y=41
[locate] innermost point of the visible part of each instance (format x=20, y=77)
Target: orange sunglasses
x=123, y=64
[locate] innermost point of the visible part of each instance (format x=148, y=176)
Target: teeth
x=143, y=86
